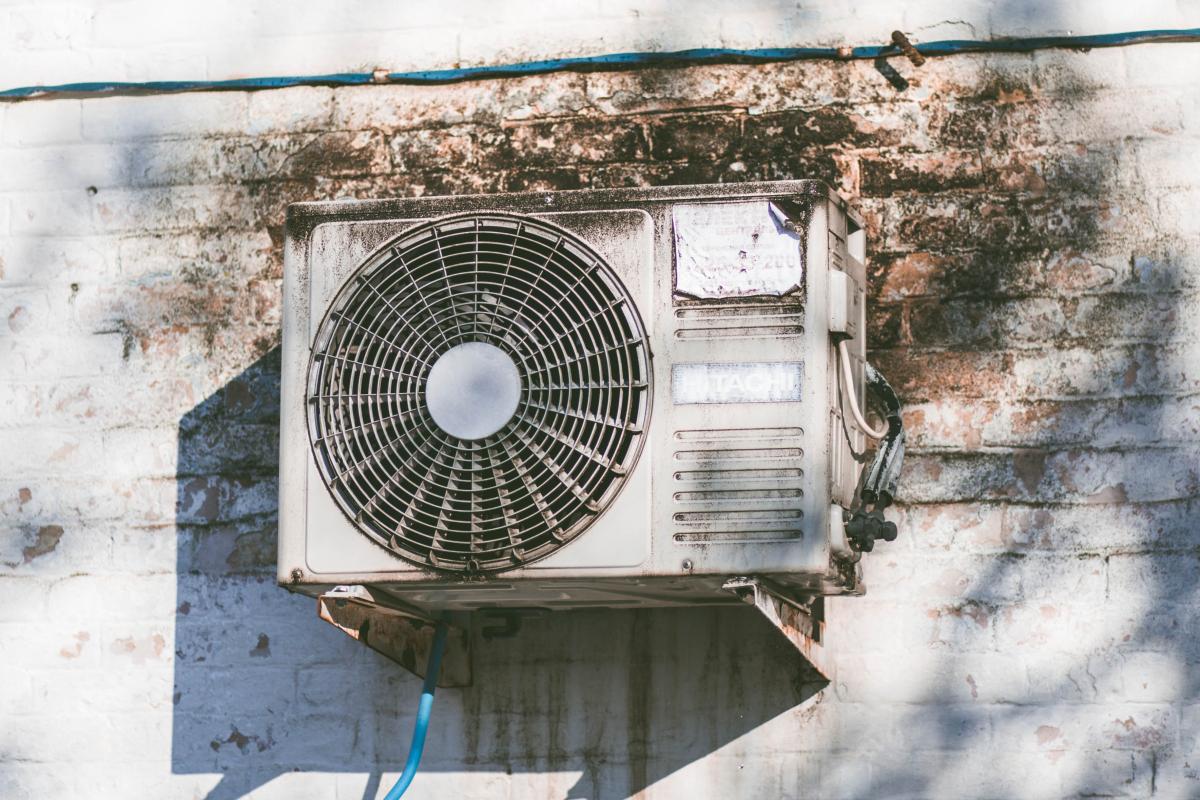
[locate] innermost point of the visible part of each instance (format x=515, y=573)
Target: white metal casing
x=721, y=488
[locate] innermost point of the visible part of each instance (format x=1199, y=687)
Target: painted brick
x=1156, y=65
x=51, y=652
x=240, y=160
x=1054, y=75
x=877, y=627
x=49, y=451
x=405, y=107
x=1077, y=476
x=299, y=108
x=712, y=137
x=126, y=118
x=362, y=51
x=963, y=527
x=24, y=599
x=44, y=67
x=1084, y=371
x=574, y=141
x=125, y=25
x=164, y=210
x=49, y=213
x=1154, y=677
x=1150, y=113
x=43, y=261
x=51, y=122
x=156, y=62
x=1043, y=627
x=49, y=549
x=1047, y=423
x=655, y=91
x=89, y=599
x=82, y=402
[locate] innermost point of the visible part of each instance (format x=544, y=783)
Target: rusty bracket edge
x=397, y=631
x=793, y=618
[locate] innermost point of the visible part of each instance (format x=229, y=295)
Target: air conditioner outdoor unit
x=615, y=398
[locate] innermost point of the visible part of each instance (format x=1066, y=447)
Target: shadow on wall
x=263, y=687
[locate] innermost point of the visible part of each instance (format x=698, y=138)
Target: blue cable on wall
x=610, y=62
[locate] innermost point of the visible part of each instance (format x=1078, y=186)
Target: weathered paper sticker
x=735, y=250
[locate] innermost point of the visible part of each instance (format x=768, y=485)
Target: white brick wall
x=1033, y=244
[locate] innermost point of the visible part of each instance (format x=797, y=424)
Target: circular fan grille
x=461, y=495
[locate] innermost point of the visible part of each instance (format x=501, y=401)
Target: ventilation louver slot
x=478, y=392
x=769, y=319
x=738, y=485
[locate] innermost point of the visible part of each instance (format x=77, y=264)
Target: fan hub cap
x=473, y=390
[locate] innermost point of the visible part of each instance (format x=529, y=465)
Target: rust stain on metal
x=802, y=625
x=405, y=638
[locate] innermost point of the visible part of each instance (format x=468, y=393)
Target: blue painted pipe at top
x=612, y=61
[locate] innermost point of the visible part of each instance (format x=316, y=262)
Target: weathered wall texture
x=1033, y=242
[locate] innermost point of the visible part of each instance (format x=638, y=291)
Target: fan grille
x=564, y=318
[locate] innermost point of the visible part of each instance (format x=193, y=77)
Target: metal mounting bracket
x=393, y=629
x=802, y=622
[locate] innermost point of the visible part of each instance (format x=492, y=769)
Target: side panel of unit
x=847, y=444
x=293, y=441
x=741, y=485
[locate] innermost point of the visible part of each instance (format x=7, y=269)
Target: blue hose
x=423, y=712
x=612, y=61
